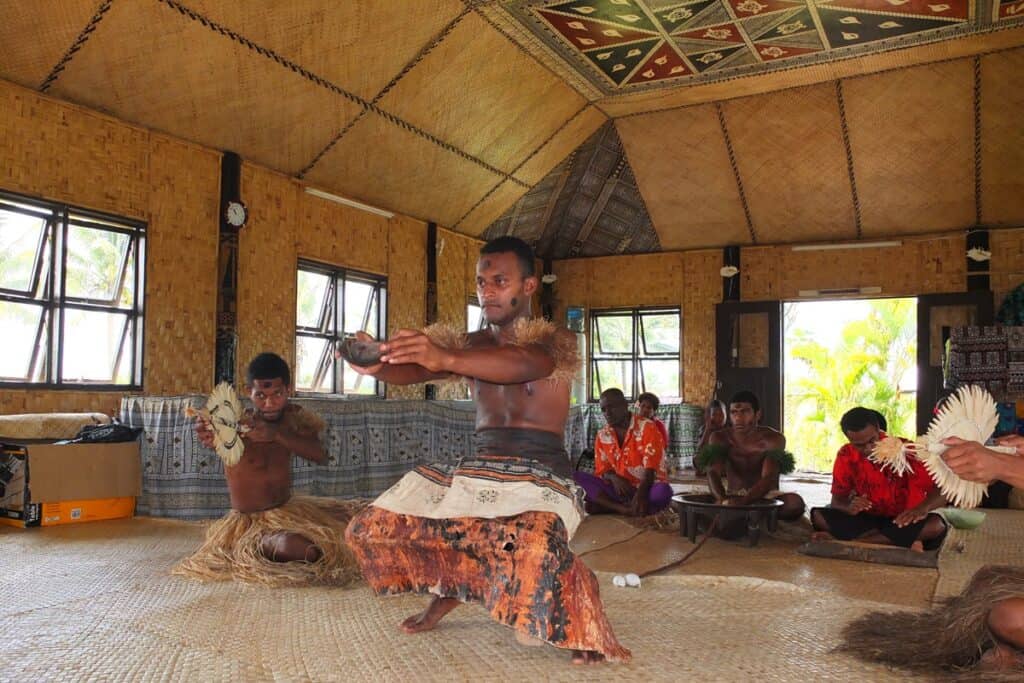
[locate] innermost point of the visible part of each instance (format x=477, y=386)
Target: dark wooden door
x=936, y=314
x=749, y=354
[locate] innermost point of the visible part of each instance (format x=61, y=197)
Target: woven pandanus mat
x=95, y=602
x=996, y=541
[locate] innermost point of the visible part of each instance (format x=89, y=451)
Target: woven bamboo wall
x=621, y=281
x=1007, y=264
x=918, y=266
x=407, y=285
x=266, y=267
x=66, y=153
x=456, y=282
x=342, y=235
x=689, y=280
x=286, y=224
x=60, y=151
x=456, y=276
x=181, y=263
x=703, y=290
x=692, y=280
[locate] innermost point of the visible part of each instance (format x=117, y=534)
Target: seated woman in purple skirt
x=629, y=463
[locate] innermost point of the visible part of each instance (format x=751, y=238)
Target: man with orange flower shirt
x=629, y=469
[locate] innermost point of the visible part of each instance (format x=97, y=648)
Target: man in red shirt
x=873, y=505
x=629, y=463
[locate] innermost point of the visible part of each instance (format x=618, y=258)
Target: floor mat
x=996, y=541
x=601, y=531
x=643, y=554
x=96, y=601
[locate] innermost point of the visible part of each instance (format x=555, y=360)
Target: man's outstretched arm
x=395, y=374
x=508, y=364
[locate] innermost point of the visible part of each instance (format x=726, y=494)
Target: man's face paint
x=269, y=397
x=501, y=288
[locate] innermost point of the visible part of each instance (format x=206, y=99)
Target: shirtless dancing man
x=493, y=528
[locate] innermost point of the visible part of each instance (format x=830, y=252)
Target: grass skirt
x=233, y=547
x=948, y=639
x=519, y=568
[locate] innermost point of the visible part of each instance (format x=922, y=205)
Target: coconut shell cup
x=359, y=352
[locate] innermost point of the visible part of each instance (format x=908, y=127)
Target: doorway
x=840, y=354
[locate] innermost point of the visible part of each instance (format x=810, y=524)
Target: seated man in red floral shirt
x=873, y=505
x=629, y=463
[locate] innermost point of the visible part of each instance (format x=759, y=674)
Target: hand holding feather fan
x=969, y=414
x=223, y=413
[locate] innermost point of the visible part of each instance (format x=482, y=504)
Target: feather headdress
x=223, y=412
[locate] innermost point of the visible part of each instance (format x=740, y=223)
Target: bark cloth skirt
x=492, y=529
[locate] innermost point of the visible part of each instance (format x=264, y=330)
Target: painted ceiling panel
x=633, y=45
x=588, y=205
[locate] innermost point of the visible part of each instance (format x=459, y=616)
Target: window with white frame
x=635, y=350
x=71, y=296
x=333, y=303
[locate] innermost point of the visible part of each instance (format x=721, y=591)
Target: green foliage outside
x=656, y=333
x=93, y=270
x=864, y=367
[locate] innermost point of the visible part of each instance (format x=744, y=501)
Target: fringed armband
x=784, y=459
x=710, y=454
x=562, y=347
x=448, y=337
x=303, y=422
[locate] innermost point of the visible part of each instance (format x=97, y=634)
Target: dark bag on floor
x=115, y=432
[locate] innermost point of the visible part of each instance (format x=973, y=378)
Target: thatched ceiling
x=486, y=116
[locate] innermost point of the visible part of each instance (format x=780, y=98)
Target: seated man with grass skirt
x=750, y=458
x=271, y=537
x=493, y=528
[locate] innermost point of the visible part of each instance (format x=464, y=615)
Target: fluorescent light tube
x=348, y=202
x=846, y=245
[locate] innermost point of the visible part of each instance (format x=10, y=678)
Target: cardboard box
x=48, y=484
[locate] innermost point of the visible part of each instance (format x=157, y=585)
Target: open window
x=332, y=303
x=71, y=296
x=636, y=350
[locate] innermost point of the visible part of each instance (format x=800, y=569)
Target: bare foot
x=917, y=547
x=428, y=618
x=586, y=657
x=822, y=536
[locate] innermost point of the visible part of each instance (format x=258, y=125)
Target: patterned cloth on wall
x=1015, y=361
x=991, y=356
x=370, y=445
